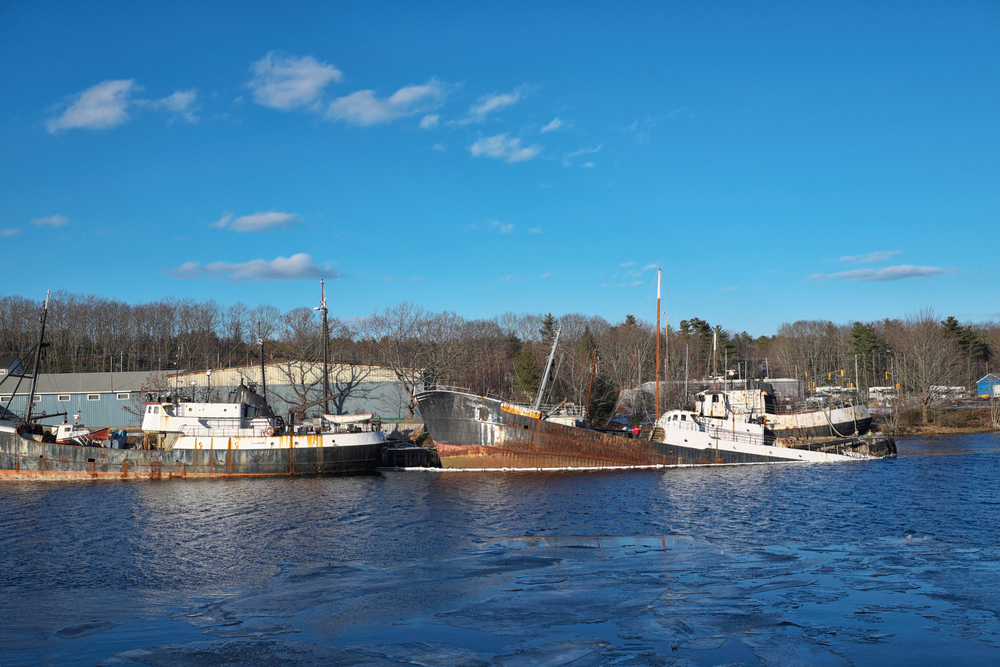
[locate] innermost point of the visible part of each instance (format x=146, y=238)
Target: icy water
x=871, y=563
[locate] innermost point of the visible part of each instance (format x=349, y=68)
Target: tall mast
x=38, y=360
x=326, y=338
x=656, y=412
x=548, y=367
x=263, y=376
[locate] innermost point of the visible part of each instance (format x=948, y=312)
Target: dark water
x=890, y=562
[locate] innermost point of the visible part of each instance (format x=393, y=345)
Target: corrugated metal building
x=115, y=399
x=986, y=387
x=101, y=399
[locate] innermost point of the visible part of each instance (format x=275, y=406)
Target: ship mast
x=656, y=412
x=326, y=338
x=548, y=367
x=38, y=360
x=263, y=377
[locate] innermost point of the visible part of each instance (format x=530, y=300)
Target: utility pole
x=326, y=337
x=857, y=388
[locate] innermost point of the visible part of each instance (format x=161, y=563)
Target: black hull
x=839, y=430
x=475, y=432
x=21, y=458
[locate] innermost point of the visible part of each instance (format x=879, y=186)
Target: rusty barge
x=479, y=432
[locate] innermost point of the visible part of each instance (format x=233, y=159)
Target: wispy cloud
x=625, y=265
x=288, y=82
x=296, y=267
x=106, y=105
x=487, y=104
x=364, y=108
x=650, y=267
x=729, y=289
x=535, y=230
x=568, y=159
x=503, y=228
x=585, y=151
x=99, y=107
x=182, y=102
x=879, y=256
x=503, y=147
x=10, y=232
x=554, y=124
x=429, y=121
x=439, y=147
x=903, y=272
x=51, y=221
x=263, y=221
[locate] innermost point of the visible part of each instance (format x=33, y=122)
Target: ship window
x=123, y=396
x=715, y=398
x=36, y=399
x=149, y=409
x=93, y=397
x=684, y=418
x=156, y=410
x=62, y=398
x=4, y=398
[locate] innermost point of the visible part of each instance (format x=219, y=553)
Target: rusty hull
x=21, y=458
x=478, y=432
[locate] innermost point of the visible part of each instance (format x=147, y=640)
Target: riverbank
x=948, y=421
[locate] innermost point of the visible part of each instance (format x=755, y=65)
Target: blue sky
x=779, y=161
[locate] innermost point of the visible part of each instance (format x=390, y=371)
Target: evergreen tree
x=548, y=328
x=529, y=375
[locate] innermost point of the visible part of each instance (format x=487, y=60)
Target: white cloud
x=10, y=232
x=888, y=273
x=439, y=147
x=490, y=103
x=263, y=221
x=364, y=108
x=650, y=267
x=878, y=256
x=297, y=267
x=535, y=230
x=99, y=107
x=51, y=221
x=567, y=162
x=429, y=121
x=625, y=265
x=555, y=124
x=181, y=102
x=504, y=228
x=545, y=275
x=503, y=148
x=286, y=82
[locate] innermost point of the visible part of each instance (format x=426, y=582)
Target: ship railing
x=719, y=433
x=225, y=429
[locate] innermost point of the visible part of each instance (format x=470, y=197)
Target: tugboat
x=728, y=432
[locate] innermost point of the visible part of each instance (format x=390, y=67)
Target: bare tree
x=927, y=357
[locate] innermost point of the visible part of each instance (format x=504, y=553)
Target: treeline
x=503, y=355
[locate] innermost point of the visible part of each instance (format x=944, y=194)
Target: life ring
x=269, y=431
